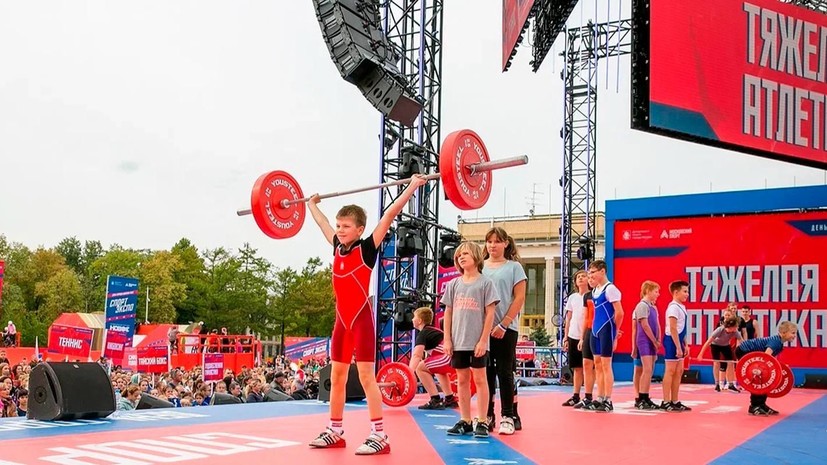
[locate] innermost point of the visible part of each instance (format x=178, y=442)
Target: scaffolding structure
x=414, y=30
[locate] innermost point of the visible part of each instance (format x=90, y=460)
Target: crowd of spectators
x=183, y=388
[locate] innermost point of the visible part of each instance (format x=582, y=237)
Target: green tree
x=158, y=273
x=540, y=336
x=59, y=293
x=284, y=303
x=71, y=250
x=191, y=274
x=219, y=297
x=316, y=302
x=89, y=281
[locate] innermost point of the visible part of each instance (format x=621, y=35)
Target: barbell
x=277, y=202
x=762, y=374
x=398, y=384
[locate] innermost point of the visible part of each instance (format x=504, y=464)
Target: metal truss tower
x=584, y=47
x=414, y=28
x=817, y=5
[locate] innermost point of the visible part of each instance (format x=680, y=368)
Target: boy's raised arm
x=320, y=219
x=396, y=207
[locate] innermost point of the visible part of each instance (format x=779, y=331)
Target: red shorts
x=439, y=364
x=358, y=338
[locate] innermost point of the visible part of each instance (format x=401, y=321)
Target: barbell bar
x=473, y=169
x=277, y=202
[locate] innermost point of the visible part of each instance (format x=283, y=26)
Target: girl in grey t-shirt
x=469, y=301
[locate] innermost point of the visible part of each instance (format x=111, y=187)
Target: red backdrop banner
x=751, y=74
x=770, y=262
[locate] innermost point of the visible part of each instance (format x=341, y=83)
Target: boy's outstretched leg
x=331, y=437
x=377, y=441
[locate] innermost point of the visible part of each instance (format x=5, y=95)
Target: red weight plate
x=274, y=220
x=787, y=382
x=399, y=384
x=460, y=150
x=452, y=378
x=758, y=372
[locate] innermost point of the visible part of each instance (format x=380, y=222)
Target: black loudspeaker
x=691, y=377
x=221, y=398
x=274, y=395
x=69, y=391
x=353, y=389
x=352, y=31
x=815, y=381
x=148, y=401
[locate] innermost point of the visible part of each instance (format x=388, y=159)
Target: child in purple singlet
x=645, y=343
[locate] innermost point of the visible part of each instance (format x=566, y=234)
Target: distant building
x=538, y=242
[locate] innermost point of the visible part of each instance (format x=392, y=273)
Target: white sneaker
x=506, y=426
x=374, y=445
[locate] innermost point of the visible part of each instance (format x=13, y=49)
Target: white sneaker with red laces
x=374, y=445
x=329, y=439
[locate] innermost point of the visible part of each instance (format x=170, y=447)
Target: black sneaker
x=433, y=404
x=481, y=429
x=647, y=404
x=638, y=403
x=491, y=421
x=606, y=406
x=518, y=424
x=583, y=404
x=664, y=405
x=453, y=403
x=734, y=389
x=571, y=402
x=769, y=410
x=717, y=387
x=461, y=428
x=758, y=410
x=678, y=407
x=594, y=406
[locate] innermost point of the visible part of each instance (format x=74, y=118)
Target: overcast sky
x=139, y=123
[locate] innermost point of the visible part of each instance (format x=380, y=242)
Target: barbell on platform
x=761, y=374
x=398, y=384
x=277, y=202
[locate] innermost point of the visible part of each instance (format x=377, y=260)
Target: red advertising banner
x=115, y=344
x=770, y=262
x=70, y=340
x=213, y=367
x=745, y=75
x=515, y=15
x=525, y=350
x=152, y=359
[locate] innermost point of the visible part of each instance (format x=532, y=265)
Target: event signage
x=121, y=305
x=748, y=75
x=771, y=262
x=71, y=340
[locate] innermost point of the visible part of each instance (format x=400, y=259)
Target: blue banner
x=308, y=348
x=122, y=305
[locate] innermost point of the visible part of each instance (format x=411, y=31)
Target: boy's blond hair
x=356, y=212
x=425, y=314
x=474, y=250
x=787, y=327
x=647, y=287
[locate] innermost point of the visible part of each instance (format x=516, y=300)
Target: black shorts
x=465, y=359
x=575, y=355
x=587, y=348
x=722, y=353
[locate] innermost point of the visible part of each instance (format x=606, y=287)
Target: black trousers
x=501, y=364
